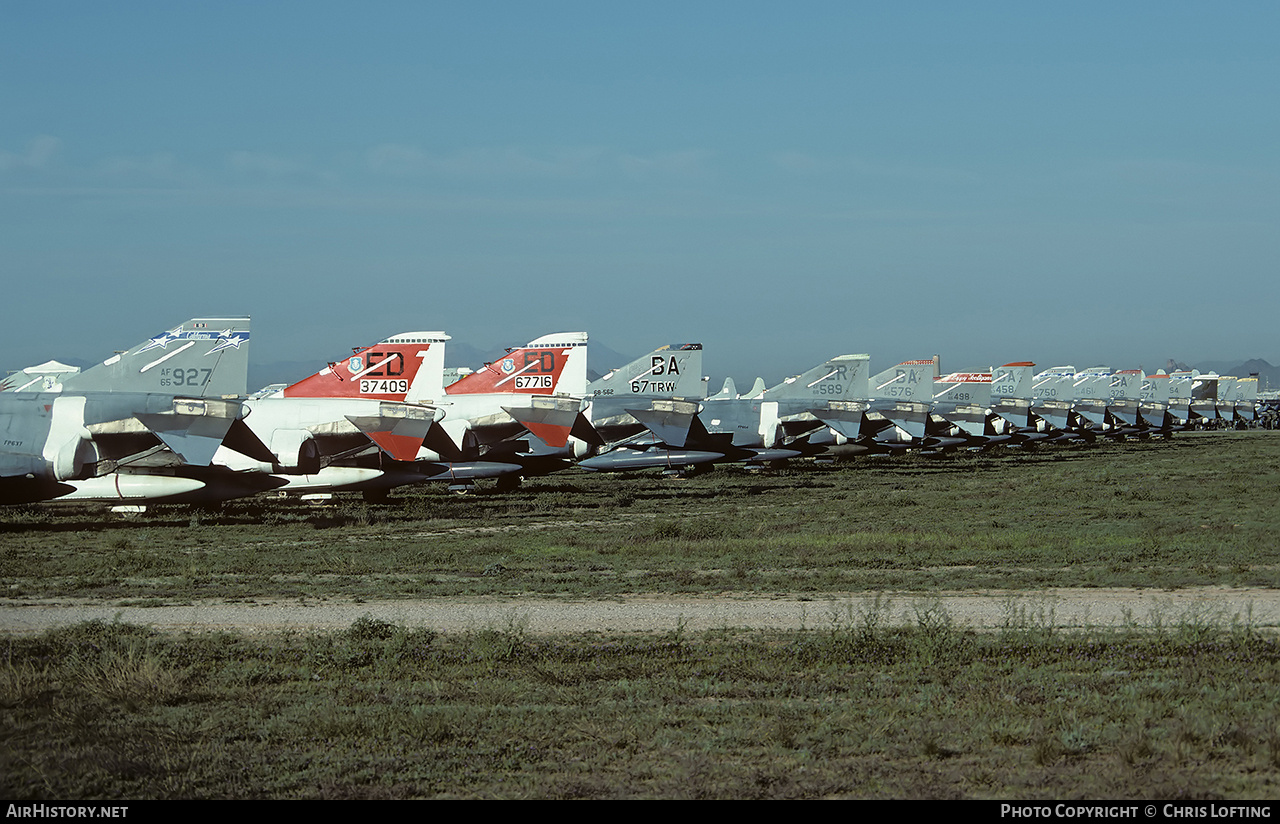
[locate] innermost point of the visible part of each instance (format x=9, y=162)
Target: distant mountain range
x=1268, y=375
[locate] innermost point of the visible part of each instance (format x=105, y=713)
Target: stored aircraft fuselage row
x=171, y=420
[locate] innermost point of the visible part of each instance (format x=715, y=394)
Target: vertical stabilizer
x=1055, y=384
x=1013, y=380
x=1180, y=384
x=841, y=378
x=1011, y=394
x=404, y=366
x=203, y=358
x=908, y=381
x=1127, y=385
x=673, y=371
x=551, y=365
x=963, y=388
x=727, y=392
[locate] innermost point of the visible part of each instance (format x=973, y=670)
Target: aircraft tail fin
x=201, y=357
x=673, y=371
x=404, y=367
x=1127, y=385
x=1055, y=384
x=550, y=365
x=1093, y=384
x=908, y=381
x=970, y=388
x=838, y=379
x=1013, y=380
x=1155, y=388
x=728, y=392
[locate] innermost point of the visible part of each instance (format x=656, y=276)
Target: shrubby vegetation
x=849, y=708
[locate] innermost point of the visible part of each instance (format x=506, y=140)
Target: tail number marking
x=384, y=386
x=185, y=377
x=534, y=381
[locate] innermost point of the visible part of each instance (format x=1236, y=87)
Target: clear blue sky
x=1060, y=182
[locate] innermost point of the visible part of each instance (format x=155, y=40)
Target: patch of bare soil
x=1061, y=608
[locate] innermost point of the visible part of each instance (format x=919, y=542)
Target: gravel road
x=1067, y=608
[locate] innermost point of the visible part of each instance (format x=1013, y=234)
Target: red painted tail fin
x=551, y=365
x=408, y=364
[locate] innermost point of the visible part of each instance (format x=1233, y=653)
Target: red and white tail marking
x=388, y=371
x=550, y=365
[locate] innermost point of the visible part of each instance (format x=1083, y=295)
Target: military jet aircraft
x=1011, y=403
x=172, y=399
x=295, y=437
x=1052, y=399
x=313, y=430
x=961, y=412
x=538, y=387
x=889, y=412
x=773, y=425
x=333, y=451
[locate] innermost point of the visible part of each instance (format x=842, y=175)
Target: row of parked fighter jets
x=171, y=420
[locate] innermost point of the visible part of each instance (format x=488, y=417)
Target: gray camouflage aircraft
x=174, y=397
x=763, y=427
x=603, y=419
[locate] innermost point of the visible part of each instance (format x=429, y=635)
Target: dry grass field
x=857, y=705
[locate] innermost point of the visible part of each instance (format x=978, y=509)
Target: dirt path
x=1067, y=608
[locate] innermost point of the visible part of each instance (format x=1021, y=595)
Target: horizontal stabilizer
x=398, y=429
x=551, y=419
x=669, y=421
x=1125, y=410
x=909, y=416
x=440, y=441
x=971, y=419
x=1055, y=413
x=844, y=417
x=194, y=428
x=1094, y=410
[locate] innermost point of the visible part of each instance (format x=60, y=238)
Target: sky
x=1067, y=183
